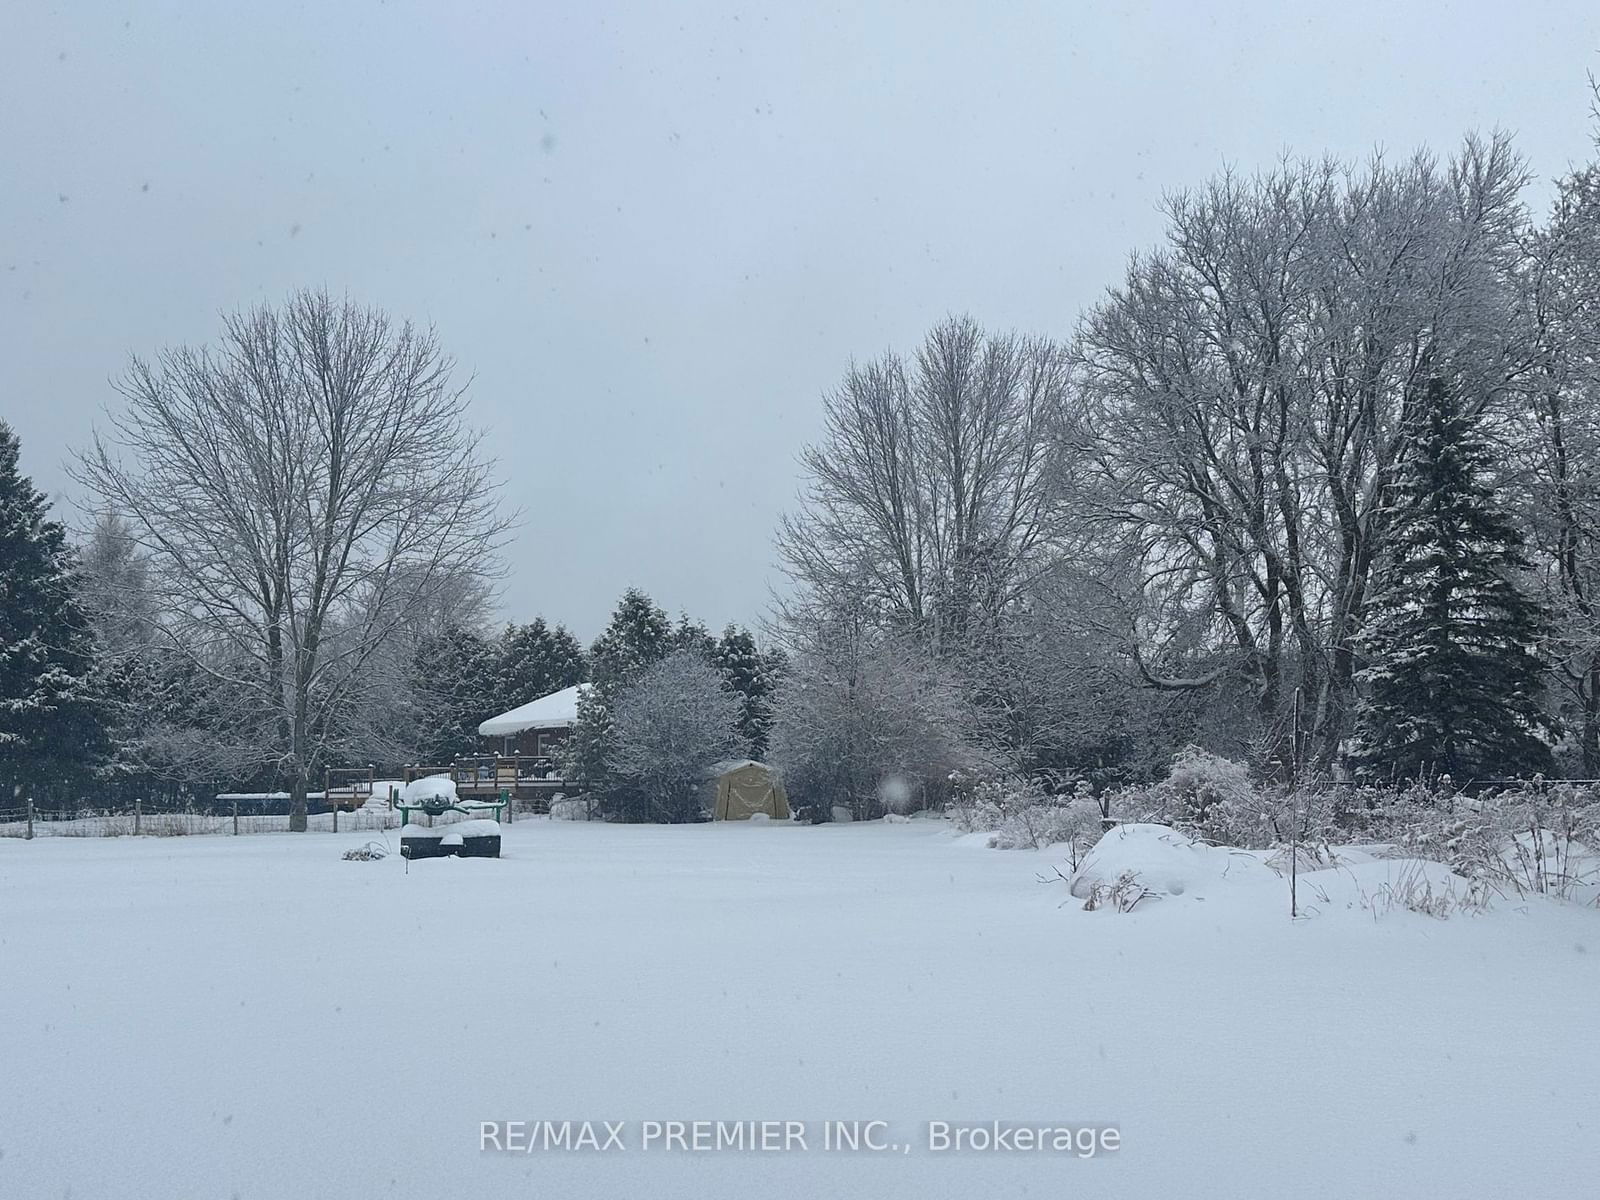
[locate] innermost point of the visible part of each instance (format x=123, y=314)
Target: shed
x=738, y=789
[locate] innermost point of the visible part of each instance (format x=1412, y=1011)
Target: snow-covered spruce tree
x=50, y=732
x=588, y=753
x=455, y=688
x=1452, y=678
x=638, y=636
x=753, y=675
x=672, y=722
x=536, y=660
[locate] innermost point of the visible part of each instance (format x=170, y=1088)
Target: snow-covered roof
x=558, y=710
x=718, y=769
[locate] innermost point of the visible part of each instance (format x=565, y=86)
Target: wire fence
x=30, y=821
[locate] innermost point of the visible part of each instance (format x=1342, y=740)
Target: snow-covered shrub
x=1075, y=822
x=866, y=722
x=1535, y=838
x=578, y=808
x=672, y=722
x=1021, y=816
x=1215, y=800
x=1199, y=781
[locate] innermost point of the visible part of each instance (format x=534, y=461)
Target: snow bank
x=1326, y=1059
x=381, y=788
x=1164, y=862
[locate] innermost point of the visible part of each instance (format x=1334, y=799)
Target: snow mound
x=379, y=799
x=430, y=787
x=1164, y=862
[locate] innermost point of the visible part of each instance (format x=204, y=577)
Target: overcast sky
x=656, y=233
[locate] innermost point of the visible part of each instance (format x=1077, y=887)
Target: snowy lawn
x=253, y=1017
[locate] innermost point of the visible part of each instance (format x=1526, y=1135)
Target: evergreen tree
x=589, y=754
x=50, y=732
x=1452, y=681
x=638, y=636
x=693, y=635
x=458, y=688
x=752, y=675
x=535, y=660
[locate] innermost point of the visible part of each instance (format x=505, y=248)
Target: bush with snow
x=1216, y=800
x=674, y=720
x=866, y=723
x=1022, y=816
x=576, y=809
x=1536, y=838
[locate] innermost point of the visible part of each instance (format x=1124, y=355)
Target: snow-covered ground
x=254, y=1017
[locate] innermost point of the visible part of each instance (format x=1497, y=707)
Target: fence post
x=236, y=818
x=30, y=818
x=138, y=813
x=333, y=805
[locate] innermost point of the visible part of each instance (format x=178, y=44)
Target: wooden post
x=235, y=816
x=138, y=812
x=333, y=807
x=30, y=818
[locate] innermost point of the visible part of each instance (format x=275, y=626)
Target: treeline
x=1314, y=487
x=102, y=708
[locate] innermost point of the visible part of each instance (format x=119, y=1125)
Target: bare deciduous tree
x=302, y=491
x=1564, y=464
x=1247, y=390
x=935, y=484
x=862, y=707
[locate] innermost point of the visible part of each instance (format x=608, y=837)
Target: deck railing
x=524, y=777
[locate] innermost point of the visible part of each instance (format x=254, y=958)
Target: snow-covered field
x=254, y=1017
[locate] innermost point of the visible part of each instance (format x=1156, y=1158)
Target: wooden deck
x=347, y=788
x=530, y=780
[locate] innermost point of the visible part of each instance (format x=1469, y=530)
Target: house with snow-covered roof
x=537, y=728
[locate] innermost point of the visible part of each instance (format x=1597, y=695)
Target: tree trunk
x=297, y=803
x=1590, y=737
